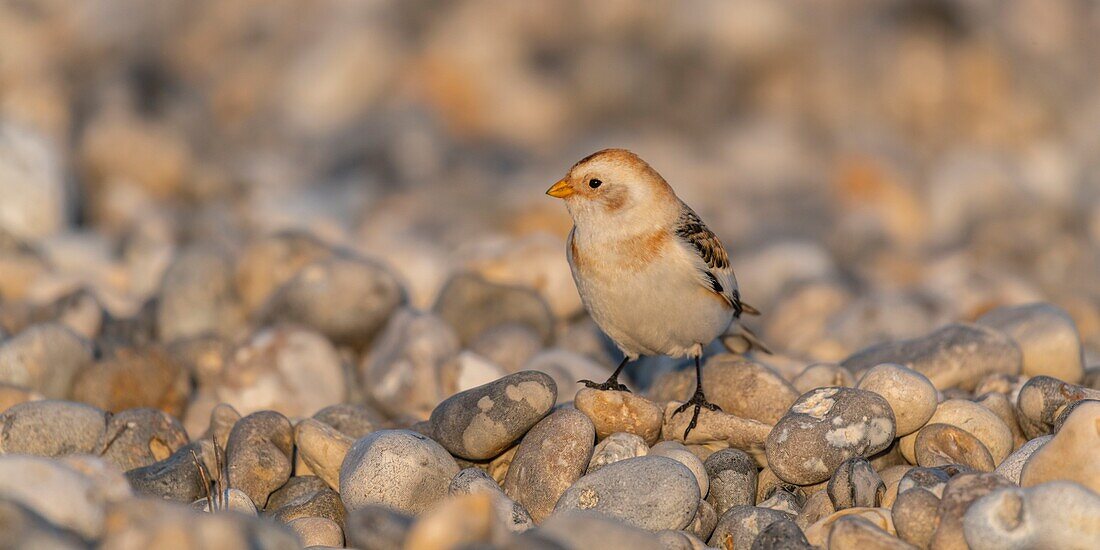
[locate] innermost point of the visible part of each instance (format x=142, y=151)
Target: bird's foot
x=612, y=384
x=699, y=401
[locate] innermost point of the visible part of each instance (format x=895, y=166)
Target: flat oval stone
x=616, y=447
x=51, y=428
x=733, y=475
x=916, y=516
x=398, y=468
x=322, y=448
x=680, y=453
x=1047, y=337
x=651, y=492
x=1071, y=454
x=957, y=355
x=258, y=455
x=824, y=428
x=551, y=457
x=1057, y=514
x=619, y=411
x=740, y=525
x=480, y=423
x=967, y=415
x=944, y=444
x=910, y=394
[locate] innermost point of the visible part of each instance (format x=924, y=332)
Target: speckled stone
x=1042, y=399
x=681, y=454
x=824, y=428
x=616, y=447
x=957, y=355
x=944, y=444
x=619, y=411
x=51, y=428
x=476, y=481
x=322, y=448
x=855, y=483
x=651, y=492
x=1071, y=454
x=916, y=515
x=740, y=525
x=44, y=358
x=1046, y=335
x=733, y=475
x=482, y=422
x=397, y=468
x=258, y=454
x=910, y=394
x=538, y=477
x=1057, y=514
x=140, y=437
x=967, y=415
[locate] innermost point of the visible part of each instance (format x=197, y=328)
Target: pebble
x=475, y=481
x=1047, y=337
x=817, y=507
x=258, y=454
x=290, y=370
x=820, y=375
x=1042, y=399
x=783, y=534
x=746, y=389
x=538, y=478
x=615, y=447
x=1071, y=454
x=739, y=526
x=856, y=532
x=397, y=468
x=305, y=496
x=44, y=358
x=732, y=475
x=177, y=478
x=706, y=519
x=267, y=263
x=784, y=501
x=679, y=540
x=957, y=355
x=961, y=491
x=322, y=448
x=348, y=299
x=971, y=417
x=910, y=394
x=377, y=527
x=354, y=421
x=678, y=452
x=576, y=529
x=140, y=437
x=1056, y=514
x=410, y=369
x=824, y=428
x=651, y=492
x=1002, y=406
x=196, y=296
x=229, y=500
x=818, y=533
x=944, y=444
x=717, y=426
x=855, y=484
x=471, y=305
x=24, y=528
x=620, y=411
x=916, y=515
x=1014, y=464
x=567, y=368
x=317, y=532
x=480, y=423
x=58, y=493
x=51, y=428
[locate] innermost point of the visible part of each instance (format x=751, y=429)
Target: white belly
x=660, y=309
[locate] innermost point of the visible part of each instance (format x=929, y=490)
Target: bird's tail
x=740, y=340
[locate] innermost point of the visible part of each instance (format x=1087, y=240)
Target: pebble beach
x=277, y=277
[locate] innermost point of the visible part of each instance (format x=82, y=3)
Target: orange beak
x=560, y=190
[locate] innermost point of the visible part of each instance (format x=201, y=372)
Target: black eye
x=594, y=183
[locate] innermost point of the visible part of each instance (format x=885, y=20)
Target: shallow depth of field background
x=876, y=168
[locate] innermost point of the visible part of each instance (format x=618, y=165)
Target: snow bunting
x=650, y=273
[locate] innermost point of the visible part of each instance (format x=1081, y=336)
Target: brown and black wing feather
x=717, y=275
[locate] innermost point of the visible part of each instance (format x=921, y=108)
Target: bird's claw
x=699, y=401
x=612, y=384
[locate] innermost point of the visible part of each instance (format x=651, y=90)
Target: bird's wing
x=715, y=272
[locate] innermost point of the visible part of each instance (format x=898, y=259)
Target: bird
x=652, y=275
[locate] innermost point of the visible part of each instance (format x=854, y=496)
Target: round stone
x=551, y=457
x=1047, y=336
x=619, y=411
x=910, y=394
x=944, y=444
x=678, y=452
x=1057, y=514
x=740, y=525
x=1071, y=454
x=398, y=468
x=824, y=428
x=733, y=475
x=971, y=417
x=651, y=492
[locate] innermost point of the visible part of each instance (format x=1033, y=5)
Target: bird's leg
x=613, y=382
x=698, y=400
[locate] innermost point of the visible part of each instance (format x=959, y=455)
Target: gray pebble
x=140, y=437
x=476, y=481
x=651, y=492
x=783, y=534
x=377, y=527
x=824, y=428
x=551, y=457
x=615, y=447
x=259, y=454
x=175, y=478
x=480, y=423
x=738, y=528
x=856, y=483
x=733, y=477
x=678, y=452
x=398, y=468
x=51, y=428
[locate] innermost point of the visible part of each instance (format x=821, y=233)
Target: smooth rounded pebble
x=1047, y=336
x=747, y=389
x=651, y=492
x=619, y=411
x=967, y=415
x=1072, y=454
x=957, y=355
x=855, y=483
x=732, y=474
x=551, y=457
x=258, y=454
x=397, y=468
x=944, y=444
x=916, y=515
x=1042, y=399
x=858, y=533
x=1057, y=514
x=482, y=422
x=910, y=394
x=58, y=493
x=820, y=375
x=44, y=358
x=1014, y=464
x=579, y=529
x=781, y=535
x=322, y=448
x=476, y=481
x=616, y=447
x=681, y=454
x=824, y=428
x=317, y=532
x=740, y=525
x=51, y=428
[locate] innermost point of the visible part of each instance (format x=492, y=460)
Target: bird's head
x=615, y=186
